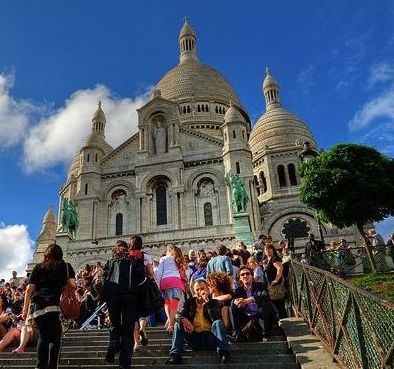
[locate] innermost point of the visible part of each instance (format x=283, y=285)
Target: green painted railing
x=354, y=325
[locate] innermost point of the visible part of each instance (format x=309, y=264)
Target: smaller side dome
x=233, y=115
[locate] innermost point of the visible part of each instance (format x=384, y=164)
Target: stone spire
x=187, y=43
x=271, y=91
x=98, y=121
x=48, y=229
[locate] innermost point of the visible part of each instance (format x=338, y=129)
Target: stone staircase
x=86, y=350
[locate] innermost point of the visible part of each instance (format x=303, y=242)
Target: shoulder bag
x=69, y=304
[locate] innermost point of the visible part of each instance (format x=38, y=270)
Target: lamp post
x=306, y=154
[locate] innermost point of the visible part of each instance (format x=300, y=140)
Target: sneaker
x=144, y=339
x=174, y=360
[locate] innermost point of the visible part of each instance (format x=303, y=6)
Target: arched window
x=86, y=188
x=95, y=158
x=198, y=108
x=206, y=108
x=88, y=158
x=161, y=205
x=292, y=174
x=208, y=214
x=119, y=224
x=282, y=176
x=237, y=167
x=188, y=109
x=234, y=134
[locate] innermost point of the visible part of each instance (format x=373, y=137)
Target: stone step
x=273, y=346
x=187, y=366
x=95, y=352
x=149, y=360
x=86, y=349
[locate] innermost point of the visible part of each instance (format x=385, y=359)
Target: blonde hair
x=176, y=253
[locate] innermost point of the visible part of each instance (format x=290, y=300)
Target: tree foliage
x=349, y=184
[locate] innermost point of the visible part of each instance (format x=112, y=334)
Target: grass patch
x=378, y=283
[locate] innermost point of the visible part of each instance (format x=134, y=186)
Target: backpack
x=123, y=276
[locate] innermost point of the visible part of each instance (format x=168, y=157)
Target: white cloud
x=14, y=114
x=16, y=250
x=57, y=137
x=380, y=107
x=380, y=73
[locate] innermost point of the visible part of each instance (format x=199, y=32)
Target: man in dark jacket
x=251, y=302
x=200, y=324
x=122, y=276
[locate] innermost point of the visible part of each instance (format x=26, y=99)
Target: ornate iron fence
x=355, y=326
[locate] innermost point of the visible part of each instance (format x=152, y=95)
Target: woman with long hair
x=171, y=278
x=43, y=292
x=274, y=273
x=121, y=276
x=220, y=288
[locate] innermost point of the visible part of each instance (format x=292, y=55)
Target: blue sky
x=334, y=62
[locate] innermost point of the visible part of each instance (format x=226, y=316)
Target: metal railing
x=96, y=314
x=354, y=325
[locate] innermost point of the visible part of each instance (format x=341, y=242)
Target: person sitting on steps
x=200, y=324
x=251, y=305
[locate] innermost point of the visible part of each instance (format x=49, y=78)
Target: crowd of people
x=211, y=297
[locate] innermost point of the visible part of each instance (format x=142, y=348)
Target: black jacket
x=122, y=276
x=259, y=293
x=212, y=310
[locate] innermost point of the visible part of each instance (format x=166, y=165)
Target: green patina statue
x=239, y=195
x=70, y=220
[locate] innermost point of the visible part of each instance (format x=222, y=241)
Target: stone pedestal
x=242, y=228
x=62, y=239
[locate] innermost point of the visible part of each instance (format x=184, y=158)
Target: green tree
x=350, y=184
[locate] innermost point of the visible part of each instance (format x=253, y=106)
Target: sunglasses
x=243, y=274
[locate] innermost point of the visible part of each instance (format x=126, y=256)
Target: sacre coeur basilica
x=168, y=182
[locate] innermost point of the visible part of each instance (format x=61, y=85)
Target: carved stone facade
x=167, y=181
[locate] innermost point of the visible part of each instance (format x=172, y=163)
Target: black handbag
x=150, y=299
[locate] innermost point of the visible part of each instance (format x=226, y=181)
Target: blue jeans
x=216, y=337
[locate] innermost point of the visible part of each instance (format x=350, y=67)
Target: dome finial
x=271, y=90
x=187, y=42
x=99, y=104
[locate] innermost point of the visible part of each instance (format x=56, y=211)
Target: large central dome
x=193, y=79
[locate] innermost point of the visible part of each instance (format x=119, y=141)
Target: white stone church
x=166, y=182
